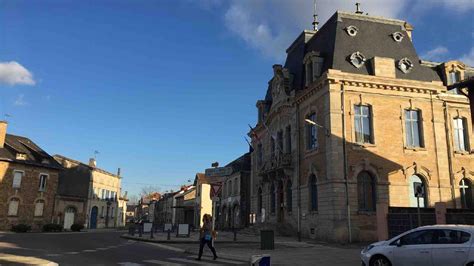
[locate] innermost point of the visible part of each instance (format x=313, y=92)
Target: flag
x=250, y=145
x=253, y=134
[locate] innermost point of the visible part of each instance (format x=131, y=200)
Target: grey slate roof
x=240, y=164
x=373, y=39
x=35, y=155
x=74, y=179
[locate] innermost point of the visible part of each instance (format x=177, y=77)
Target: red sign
x=215, y=189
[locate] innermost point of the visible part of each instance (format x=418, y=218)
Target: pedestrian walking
x=207, y=236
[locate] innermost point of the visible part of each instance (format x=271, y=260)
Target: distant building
x=88, y=194
x=28, y=182
x=203, y=202
x=130, y=214
x=184, y=208
x=234, y=205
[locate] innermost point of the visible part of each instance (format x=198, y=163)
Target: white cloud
x=468, y=58
x=20, y=100
x=12, y=73
x=437, y=54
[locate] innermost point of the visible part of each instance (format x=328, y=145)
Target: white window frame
x=461, y=141
x=46, y=176
x=19, y=183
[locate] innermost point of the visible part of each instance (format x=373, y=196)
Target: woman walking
x=207, y=236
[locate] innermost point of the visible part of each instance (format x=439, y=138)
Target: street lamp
x=311, y=122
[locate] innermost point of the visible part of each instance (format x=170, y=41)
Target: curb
x=182, y=241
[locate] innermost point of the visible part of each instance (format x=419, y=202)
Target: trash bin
x=260, y=260
x=267, y=239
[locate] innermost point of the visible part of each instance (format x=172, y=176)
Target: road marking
x=127, y=263
x=102, y=248
x=160, y=262
x=53, y=255
x=71, y=253
x=223, y=260
x=193, y=261
x=89, y=250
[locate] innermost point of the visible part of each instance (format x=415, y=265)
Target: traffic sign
x=218, y=171
x=215, y=189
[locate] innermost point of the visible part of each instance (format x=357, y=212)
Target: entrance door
x=69, y=218
x=93, y=222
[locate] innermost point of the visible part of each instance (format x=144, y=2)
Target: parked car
x=436, y=245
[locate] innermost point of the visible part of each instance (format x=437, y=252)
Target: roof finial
x=315, y=18
x=358, y=11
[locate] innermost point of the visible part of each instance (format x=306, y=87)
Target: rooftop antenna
x=95, y=154
x=315, y=18
x=358, y=11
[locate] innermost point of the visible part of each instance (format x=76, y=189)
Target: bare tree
x=133, y=200
x=148, y=190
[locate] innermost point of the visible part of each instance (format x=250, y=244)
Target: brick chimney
x=3, y=132
x=92, y=162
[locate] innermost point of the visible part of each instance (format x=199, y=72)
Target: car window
x=448, y=236
x=418, y=238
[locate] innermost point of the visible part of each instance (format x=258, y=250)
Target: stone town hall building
x=350, y=123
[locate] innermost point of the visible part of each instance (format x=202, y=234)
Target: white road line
x=102, y=248
x=53, y=255
x=71, y=253
x=89, y=250
x=193, y=261
x=223, y=260
x=127, y=263
x=165, y=263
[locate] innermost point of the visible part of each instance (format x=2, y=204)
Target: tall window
x=363, y=124
x=313, y=193
x=112, y=213
x=280, y=142
x=259, y=200
x=289, y=196
x=288, y=139
x=272, y=144
x=17, y=176
x=311, y=133
x=309, y=73
x=230, y=188
x=259, y=154
x=460, y=134
x=272, y=198
x=366, y=191
x=39, y=206
x=103, y=194
x=42, y=182
x=13, y=207
x=413, y=128
x=465, y=188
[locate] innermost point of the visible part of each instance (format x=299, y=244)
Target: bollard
x=169, y=235
x=151, y=232
x=235, y=235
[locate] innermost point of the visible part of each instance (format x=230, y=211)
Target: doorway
x=93, y=222
x=69, y=217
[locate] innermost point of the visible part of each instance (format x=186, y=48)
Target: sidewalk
x=288, y=251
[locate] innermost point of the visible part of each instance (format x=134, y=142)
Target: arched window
x=272, y=198
x=289, y=196
x=13, y=207
x=465, y=188
x=230, y=188
x=366, y=191
x=313, y=193
x=259, y=200
x=39, y=206
x=415, y=181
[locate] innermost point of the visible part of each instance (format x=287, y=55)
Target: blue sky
x=164, y=88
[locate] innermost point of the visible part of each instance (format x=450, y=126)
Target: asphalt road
x=91, y=248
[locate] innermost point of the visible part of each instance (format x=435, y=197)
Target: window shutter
x=39, y=206
x=13, y=207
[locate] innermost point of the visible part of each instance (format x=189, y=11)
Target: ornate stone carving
x=405, y=65
x=397, y=36
x=357, y=59
x=351, y=30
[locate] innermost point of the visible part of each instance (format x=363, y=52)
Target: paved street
x=91, y=248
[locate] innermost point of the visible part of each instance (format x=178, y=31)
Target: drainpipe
x=450, y=159
x=298, y=168
x=435, y=145
x=343, y=107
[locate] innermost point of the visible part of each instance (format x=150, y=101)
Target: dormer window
x=357, y=59
x=397, y=36
x=405, y=65
x=352, y=30
x=313, y=67
x=454, y=77
x=21, y=156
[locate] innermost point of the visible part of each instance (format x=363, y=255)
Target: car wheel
x=379, y=261
x=470, y=264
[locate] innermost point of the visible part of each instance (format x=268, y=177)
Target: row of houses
x=349, y=126
x=37, y=188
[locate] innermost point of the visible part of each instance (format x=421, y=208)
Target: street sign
x=419, y=189
x=218, y=171
x=215, y=189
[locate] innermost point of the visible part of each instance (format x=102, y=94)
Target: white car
x=435, y=245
